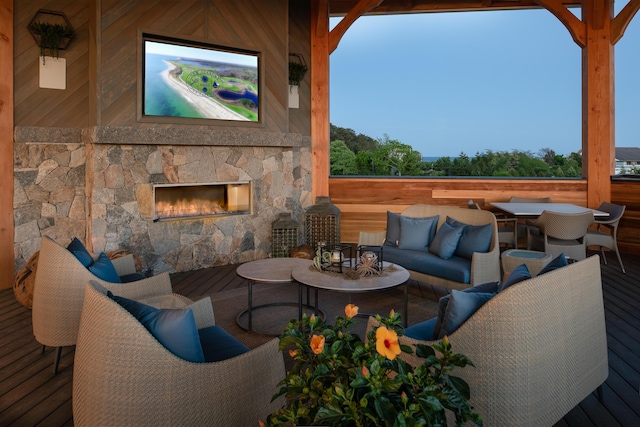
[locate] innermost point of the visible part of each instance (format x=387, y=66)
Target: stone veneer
x=97, y=184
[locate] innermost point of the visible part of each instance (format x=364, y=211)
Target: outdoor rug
x=269, y=321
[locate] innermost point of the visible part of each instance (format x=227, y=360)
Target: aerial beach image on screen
x=192, y=82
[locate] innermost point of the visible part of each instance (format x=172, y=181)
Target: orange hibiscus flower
x=351, y=310
x=387, y=343
x=317, y=344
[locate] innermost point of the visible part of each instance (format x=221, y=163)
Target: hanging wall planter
x=52, y=32
x=297, y=69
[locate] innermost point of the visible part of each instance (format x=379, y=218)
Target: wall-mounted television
x=186, y=81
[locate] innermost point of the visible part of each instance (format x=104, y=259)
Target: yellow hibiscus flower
x=387, y=343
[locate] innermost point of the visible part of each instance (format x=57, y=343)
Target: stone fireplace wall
x=100, y=189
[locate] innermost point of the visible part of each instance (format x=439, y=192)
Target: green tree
x=343, y=160
x=356, y=143
x=396, y=158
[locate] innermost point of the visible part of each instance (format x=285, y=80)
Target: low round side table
x=534, y=260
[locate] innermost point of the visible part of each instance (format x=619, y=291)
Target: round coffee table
x=391, y=278
x=534, y=260
x=269, y=270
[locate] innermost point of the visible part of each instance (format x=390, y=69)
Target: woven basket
x=122, y=252
x=26, y=278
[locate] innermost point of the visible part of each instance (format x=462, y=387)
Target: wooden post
x=319, y=98
x=6, y=144
x=598, y=117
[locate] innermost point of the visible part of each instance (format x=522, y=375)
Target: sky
x=447, y=83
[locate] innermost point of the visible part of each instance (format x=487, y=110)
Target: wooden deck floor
x=30, y=395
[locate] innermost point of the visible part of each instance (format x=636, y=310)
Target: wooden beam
x=598, y=117
x=621, y=22
x=319, y=98
x=358, y=10
x=576, y=28
x=6, y=144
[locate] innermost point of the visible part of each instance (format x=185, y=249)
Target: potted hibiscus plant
x=339, y=380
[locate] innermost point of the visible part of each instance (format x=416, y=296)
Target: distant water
x=430, y=159
x=160, y=99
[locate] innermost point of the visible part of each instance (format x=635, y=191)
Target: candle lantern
x=322, y=223
x=335, y=257
x=285, y=235
x=369, y=256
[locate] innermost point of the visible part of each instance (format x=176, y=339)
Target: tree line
x=358, y=154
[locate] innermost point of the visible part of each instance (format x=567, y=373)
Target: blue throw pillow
x=416, y=233
x=218, y=344
x=393, y=229
x=554, y=264
x=462, y=305
x=518, y=274
x=489, y=287
x=174, y=328
x=79, y=251
x=446, y=240
x=422, y=331
x=103, y=268
x=475, y=238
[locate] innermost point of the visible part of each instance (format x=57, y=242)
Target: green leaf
x=460, y=385
x=424, y=351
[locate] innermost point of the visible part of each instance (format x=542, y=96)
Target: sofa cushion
x=103, y=268
x=133, y=277
x=423, y=331
x=475, y=238
x=416, y=233
x=218, y=344
x=393, y=229
x=445, y=241
x=174, y=328
x=518, y=274
x=457, y=269
x=557, y=262
x=80, y=252
x=489, y=287
x=462, y=305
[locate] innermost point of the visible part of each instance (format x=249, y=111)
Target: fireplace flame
x=183, y=208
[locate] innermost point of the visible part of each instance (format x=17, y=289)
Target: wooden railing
x=364, y=201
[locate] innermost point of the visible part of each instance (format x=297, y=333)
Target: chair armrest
x=485, y=267
x=124, y=265
x=203, y=312
x=373, y=239
x=144, y=288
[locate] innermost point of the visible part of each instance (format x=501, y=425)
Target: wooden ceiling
x=387, y=7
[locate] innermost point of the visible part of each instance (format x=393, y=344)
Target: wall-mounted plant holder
x=297, y=69
x=52, y=32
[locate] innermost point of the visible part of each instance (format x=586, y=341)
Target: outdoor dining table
x=534, y=210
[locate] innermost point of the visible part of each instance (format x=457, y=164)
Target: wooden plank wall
x=363, y=202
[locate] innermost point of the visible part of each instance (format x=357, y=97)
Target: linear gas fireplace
x=180, y=201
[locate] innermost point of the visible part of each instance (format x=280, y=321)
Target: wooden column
x=6, y=144
x=598, y=116
x=319, y=98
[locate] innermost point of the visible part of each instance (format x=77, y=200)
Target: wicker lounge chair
x=561, y=233
x=539, y=347
x=124, y=376
x=607, y=239
x=59, y=292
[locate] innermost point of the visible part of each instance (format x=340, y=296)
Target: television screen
x=195, y=80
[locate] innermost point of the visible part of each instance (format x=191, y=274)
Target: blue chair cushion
x=554, y=264
x=445, y=241
x=422, y=331
x=133, y=277
x=103, y=268
x=174, y=328
x=462, y=305
x=80, y=252
x=489, y=287
x=456, y=268
x=218, y=344
x=393, y=229
x=475, y=238
x=518, y=274
x=416, y=233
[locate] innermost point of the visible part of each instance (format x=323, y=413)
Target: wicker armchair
x=539, y=347
x=59, y=292
x=124, y=376
x=607, y=239
x=561, y=233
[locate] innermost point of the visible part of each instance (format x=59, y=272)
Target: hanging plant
x=50, y=37
x=297, y=70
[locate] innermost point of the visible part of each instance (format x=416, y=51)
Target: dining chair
x=526, y=228
x=507, y=233
x=607, y=239
x=561, y=233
